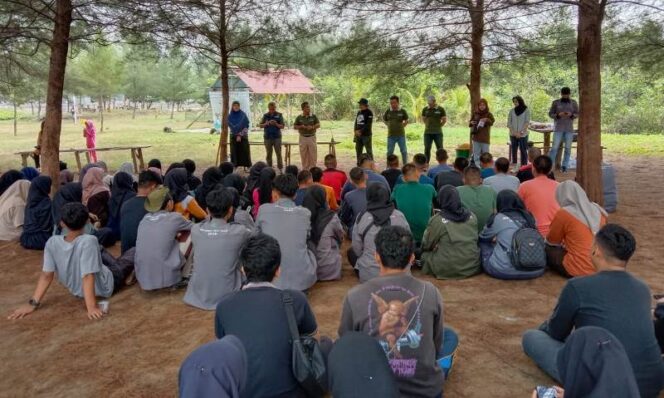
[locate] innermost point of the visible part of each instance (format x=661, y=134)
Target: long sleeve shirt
x=563, y=124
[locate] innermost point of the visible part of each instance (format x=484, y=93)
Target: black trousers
x=554, y=259
x=120, y=267
x=432, y=139
x=363, y=145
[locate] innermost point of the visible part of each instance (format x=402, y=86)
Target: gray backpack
x=528, y=248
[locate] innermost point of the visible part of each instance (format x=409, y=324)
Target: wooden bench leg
x=87, y=156
x=77, y=155
x=547, y=143
x=133, y=159
x=24, y=159
x=141, y=162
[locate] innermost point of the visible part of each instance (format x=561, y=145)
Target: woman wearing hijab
x=496, y=237
x=30, y=173
x=593, y=364
x=90, y=134
x=480, y=129
x=96, y=195
x=185, y=204
x=66, y=177
x=240, y=184
x=12, y=210
x=357, y=368
x=252, y=180
x=176, y=165
x=8, y=178
x=573, y=228
x=326, y=236
x=238, y=122
x=38, y=221
x=226, y=168
x=241, y=216
x=518, y=121
x=211, y=178
x=121, y=191
x=263, y=192
x=449, y=245
x=380, y=213
x=217, y=369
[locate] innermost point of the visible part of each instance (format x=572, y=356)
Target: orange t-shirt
x=539, y=196
x=577, y=239
x=329, y=195
x=189, y=207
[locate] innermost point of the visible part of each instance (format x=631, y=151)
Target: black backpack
x=528, y=248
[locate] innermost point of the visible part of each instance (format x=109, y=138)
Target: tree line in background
x=171, y=50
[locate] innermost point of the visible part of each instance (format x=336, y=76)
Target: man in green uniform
x=414, y=200
x=434, y=119
x=396, y=120
x=307, y=124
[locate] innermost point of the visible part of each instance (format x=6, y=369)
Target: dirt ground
x=137, y=349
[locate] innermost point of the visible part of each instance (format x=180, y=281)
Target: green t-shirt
x=415, y=201
x=394, y=121
x=481, y=200
x=310, y=120
x=432, y=116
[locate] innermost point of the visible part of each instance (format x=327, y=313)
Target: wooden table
x=331, y=148
x=136, y=155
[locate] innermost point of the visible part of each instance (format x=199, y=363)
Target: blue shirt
x=299, y=196
x=371, y=177
x=433, y=172
x=423, y=180
x=488, y=172
x=272, y=132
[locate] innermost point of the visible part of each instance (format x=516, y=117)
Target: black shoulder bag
x=309, y=367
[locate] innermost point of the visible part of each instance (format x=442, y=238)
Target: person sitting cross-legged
x=441, y=157
x=479, y=199
x=367, y=164
x=159, y=261
x=415, y=200
x=76, y=260
x=405, y=315
x=539, y=194
x=496, y=238
x=257, y=316
x=355, y=202
x=133, y=210
x=333, y=177
x=317, y=176
x=217, y=242
x=612, y=299
x=486, y=165
x=453, y=177
x=393, y=171
x=304, y=181
x=449, y=245
x=501, y=180
x=291, y=226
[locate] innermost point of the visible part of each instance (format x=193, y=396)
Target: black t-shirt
x=131, y=214
x=364, y=122
x=391, y=175
x=452, y=178
x=258, y=318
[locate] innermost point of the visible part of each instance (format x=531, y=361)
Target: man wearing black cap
x=363, y=123
x=563, y=112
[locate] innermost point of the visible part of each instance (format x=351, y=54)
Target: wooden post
x=133, y=159
x=141, y=162
x=77, y=155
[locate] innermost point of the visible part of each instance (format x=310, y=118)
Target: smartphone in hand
x=546, y=392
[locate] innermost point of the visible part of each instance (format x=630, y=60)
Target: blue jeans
x=543, y=349
x=478, y=149
x=450, y=344
x=401, y=141
x=558, y=138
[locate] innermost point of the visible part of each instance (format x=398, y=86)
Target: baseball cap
x=156, y=198
x=363, y=101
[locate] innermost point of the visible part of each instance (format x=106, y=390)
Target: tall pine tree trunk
x=101, y=113
x=172, y=109
x=39, y=109
x=50, y=147
x=477, y=52
x=15, y=118
x=133, y=113
x=222, y=151
x=589, y=57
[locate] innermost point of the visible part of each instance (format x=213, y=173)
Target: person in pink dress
x=90, y=134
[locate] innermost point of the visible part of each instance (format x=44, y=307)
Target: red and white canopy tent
x=245, y=85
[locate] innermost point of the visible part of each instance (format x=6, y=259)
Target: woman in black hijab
x=326, y=234
x=263, y=192
x=38, y=220
x=211, y=178
x=451, y=207
x=192, y=180
x=254, y=175
x=70, y=193
x=121, y=191
x=226, y=168
x=593, y=364
x=8, y=178
x=316, y=201
x=236, y=181
x=358, y=368
x=379, y=204
x=518, y=121
x=176, y=181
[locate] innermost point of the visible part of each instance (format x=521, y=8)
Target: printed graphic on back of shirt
x=394, y=318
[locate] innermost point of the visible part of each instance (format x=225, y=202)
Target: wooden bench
x=331, y=148
x=136, y=155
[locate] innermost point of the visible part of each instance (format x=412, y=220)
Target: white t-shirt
x=71, y=261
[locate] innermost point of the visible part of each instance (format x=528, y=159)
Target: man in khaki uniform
x=307, y=124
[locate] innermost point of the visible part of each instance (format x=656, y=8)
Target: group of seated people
x=235, y=244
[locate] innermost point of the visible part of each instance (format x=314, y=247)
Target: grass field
x=121, y=130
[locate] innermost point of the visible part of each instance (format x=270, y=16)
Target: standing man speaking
x=307, y=124
x=396, y=120
x=434, y=119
